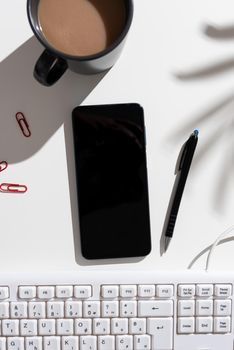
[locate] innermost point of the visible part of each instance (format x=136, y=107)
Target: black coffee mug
x=52, y=64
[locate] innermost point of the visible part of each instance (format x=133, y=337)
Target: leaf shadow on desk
x=46, y=108
x=220, y=115
x=215, y=33
x=219, y=33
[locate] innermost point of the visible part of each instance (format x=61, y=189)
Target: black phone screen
x=111, y=172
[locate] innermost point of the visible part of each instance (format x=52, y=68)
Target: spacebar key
x=161, y=330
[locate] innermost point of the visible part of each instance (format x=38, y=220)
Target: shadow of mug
x=45, y=109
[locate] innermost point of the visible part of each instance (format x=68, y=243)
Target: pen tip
x=166, y=243
x=196, y=132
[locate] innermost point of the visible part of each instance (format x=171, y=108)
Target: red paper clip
x=23, y=124
x=3, y=165
x=13, y=188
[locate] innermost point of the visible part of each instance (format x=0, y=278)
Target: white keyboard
x=122, y=310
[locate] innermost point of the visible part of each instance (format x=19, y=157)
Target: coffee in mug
x=86, y=36
x=81, y=27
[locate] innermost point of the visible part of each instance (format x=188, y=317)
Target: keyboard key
x=186, y=308
x=83, y=292
x=83, y=326
x=46, y=327
x=4, y=293
x=64, y=291
x=155, y=308
x=88, y=342
x=3, y=343
x=70, y=343
x=164, y=291
x=27, y=292
x=161, y=330
x=204, y=307
x=73, y=309
x=204, y=290
x=186, y=290
x=119, y=326
x=110, y=291
x=18, y=309
x=124, y=342
x=142, y=342
x=45, y=292
x=146, y=291
x=33, y=343
x=15, y=343
x=10, y=327
x=51, y=343
x=91, y=308
x=222, y=324
x=28, y=327
x=186, y=325
x=65, y=327
x=101, y=326
x=36, y=309
x=55, y=309
x=128, y=308
x=128, y=291
x=223, y=290
x=137, y=325
x=222, y=307
x=110, y=308
x=106, y=342
x=4, y=310
x=204, y=325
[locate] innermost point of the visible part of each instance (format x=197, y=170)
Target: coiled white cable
x=214, y=245
x=220, y=240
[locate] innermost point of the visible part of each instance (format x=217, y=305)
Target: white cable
x=214, y=245
x=207, y=249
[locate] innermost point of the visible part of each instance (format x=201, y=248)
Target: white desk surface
x=182, y=72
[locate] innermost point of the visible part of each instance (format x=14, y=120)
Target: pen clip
x=181, y=158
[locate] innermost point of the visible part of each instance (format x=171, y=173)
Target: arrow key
x=155, y=308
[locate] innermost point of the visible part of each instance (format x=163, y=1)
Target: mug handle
x=49, y=68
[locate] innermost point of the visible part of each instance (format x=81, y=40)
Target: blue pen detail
x=196, y=132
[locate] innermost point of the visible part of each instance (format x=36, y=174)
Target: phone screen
x=111, y=172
